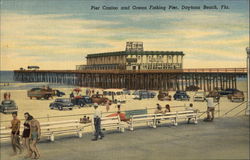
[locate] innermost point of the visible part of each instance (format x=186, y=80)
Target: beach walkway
x=225, y=138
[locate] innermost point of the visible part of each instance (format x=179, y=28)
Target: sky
x=58, y=34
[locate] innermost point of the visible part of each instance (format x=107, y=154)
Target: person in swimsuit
x=26, y=134
x=35, y=133
x=15, y=131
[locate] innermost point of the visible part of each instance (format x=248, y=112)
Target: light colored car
x=199, y=96
x=8, y=106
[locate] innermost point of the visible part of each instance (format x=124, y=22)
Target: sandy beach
x=40, y=108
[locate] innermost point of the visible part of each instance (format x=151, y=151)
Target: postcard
x=124, y=79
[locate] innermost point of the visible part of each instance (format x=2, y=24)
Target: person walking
x=35, y=133
x=15, y=132
x=26, y=134
x=97, y=123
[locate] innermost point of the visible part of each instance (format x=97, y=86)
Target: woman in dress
x=26, y=133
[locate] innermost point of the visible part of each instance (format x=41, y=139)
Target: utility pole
x=248, y=81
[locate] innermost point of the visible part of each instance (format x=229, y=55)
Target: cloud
x=67, y=38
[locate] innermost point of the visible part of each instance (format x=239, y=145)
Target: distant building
x=134, y=58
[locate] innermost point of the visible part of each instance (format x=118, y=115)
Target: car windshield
x=182, y=92
x=6, y=102
x=34, y=89
x=199, y=93
x=62, y=100
x=87, y=99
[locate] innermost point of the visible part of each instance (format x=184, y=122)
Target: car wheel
x=60, y=108
x=46, y=97
x=81, y=104
x=70, y=108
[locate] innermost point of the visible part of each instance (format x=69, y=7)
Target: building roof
x=119, y=53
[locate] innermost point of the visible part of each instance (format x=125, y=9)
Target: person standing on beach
x=26, y=134
x=87, y=92
x=15, y=132
x=210, y=109
x=119, y=107
x=97, y=123
x=35, y=133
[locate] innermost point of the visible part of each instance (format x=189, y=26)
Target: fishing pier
x=177, y=79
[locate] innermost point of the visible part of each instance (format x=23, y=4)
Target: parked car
x=192, y=88
x=228, y=91
x=143, y=94
x=215, y=94
x=61, y=104
x=181, y=95
x=164, y=96
x=99, y=99
x=199, y=96
x=41, y=93
x=126, y=91
x=110, y=92
x=82, y=101
x=8, y=106
x=237, y=96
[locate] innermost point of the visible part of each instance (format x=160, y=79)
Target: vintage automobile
x=8, y=106
x=99, y=99
x=143, y=94
x=110, y=92
x=215, y=94
x=192, y=88
x=181, y=95
x=82, y=101
x=164, y=96
x=237, y=96
x=41, y=93
x=228, y=91
x=126, y=91
x=118, y=95
x=61, y=104
x=199, y=96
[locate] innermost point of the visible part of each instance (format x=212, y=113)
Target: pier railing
x=122, y=71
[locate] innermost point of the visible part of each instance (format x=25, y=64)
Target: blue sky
x=58, y=34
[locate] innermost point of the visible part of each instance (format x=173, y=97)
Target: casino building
x=134, y=58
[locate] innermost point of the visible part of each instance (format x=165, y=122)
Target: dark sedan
x=228, y=91
x=181, y=95
x=61, y=104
